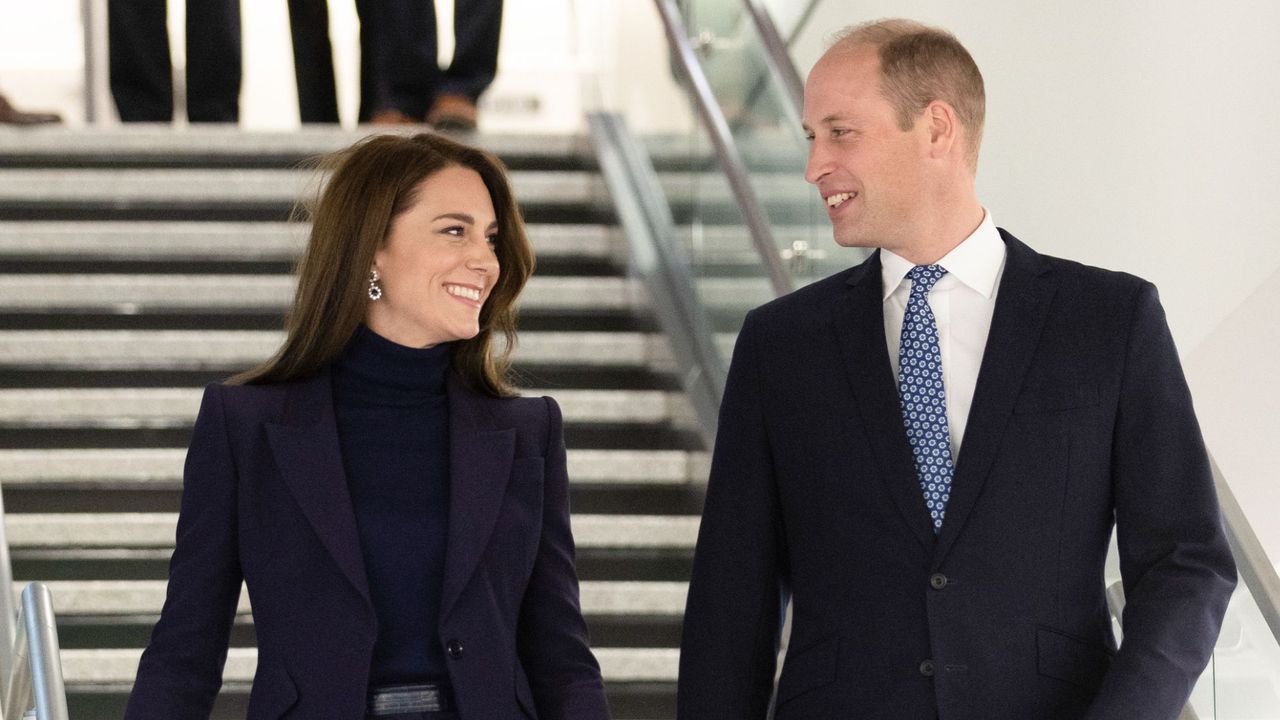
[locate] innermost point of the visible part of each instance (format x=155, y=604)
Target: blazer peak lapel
x=479, y=470
x=308, y=455
x=858, y=317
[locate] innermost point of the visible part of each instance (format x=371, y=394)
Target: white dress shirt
x=963, y=302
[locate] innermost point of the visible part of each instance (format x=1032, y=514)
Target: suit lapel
x=859, y=325
x=480, y=456
x=1021, y=308
x=308, y=455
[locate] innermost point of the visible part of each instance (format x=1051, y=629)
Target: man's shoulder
x=804, y=301
x=1072, y=275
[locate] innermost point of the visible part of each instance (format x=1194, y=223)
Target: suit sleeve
x=551, y=638
x=1174, y=558
x=181, y=670
x=729, y=644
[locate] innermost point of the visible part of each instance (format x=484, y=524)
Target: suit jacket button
x=937, y=581
x=926, y=668
x=454, y=648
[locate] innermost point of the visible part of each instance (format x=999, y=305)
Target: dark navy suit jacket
x=265, y=500
x=1081, y=420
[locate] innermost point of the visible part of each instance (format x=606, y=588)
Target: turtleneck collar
x=380, y=371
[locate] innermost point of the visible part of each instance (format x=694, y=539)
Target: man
x=926, y=453
x=400, y=80
x=141, y=72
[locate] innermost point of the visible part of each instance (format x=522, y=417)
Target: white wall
x=1141, y=135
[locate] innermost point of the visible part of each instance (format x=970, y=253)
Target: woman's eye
x=492, y=240
x=455, y=230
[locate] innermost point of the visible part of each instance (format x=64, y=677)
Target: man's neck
x=942, y=235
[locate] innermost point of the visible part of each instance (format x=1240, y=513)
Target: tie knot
x=924, y=277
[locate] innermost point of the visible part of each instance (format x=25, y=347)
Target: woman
x=399, y=517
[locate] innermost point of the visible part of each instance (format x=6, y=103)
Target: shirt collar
x=976, y=261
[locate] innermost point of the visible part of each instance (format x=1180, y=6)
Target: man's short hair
x=920, y=64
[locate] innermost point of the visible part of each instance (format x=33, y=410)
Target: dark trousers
x=313, y=61
x=398, y=67
x=142, y=72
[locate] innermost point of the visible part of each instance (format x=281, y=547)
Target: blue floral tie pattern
x=920, y=391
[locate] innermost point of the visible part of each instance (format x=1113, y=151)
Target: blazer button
x=454, y=648
x=926, y=668
x=937, y=581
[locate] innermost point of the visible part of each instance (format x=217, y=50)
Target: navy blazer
x=1081, y=420
x=265, y=500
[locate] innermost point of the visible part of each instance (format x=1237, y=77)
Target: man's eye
x=839, y=132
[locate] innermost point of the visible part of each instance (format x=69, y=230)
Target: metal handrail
x=727, y=153
x=778, y=59
x=30, y=658
x=645, y=216
x=1252, y=563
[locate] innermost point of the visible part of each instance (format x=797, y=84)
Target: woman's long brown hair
x=372, y=183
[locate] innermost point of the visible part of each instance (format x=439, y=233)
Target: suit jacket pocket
x=808, y=668
x=1069, y=658
x=272, y=695
x=1055, y=398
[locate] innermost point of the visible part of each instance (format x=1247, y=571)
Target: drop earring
x=375, y=290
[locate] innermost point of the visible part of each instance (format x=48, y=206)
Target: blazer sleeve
x=181, y=669
x=551, y=637
x=733, y=616
x=1174, y=558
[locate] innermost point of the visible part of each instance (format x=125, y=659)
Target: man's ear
x=944, y=128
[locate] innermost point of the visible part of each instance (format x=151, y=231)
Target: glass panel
x=1243, y=682
x=766, y=129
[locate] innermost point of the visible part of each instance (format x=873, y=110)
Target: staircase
x=138, y=265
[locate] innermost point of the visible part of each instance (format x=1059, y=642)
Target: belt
x=419, y=697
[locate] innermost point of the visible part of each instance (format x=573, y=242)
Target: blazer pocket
x=808, y=668
x=1071, y=659
x=273, y=693
x=1056, y=399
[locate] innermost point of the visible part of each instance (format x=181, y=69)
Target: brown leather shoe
x=10, y=115
x=452, y=113
x=392, y=116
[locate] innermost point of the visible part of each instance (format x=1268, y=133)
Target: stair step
x=243, y=241
x=116, y=668
x=125, y=408
x=162, y=468
x=220, y=349
x=143, y=293
x=81, y=598
x=157, y=530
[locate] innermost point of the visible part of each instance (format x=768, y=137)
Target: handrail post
x=47, y=683
x=93, y=17
x=775, y=48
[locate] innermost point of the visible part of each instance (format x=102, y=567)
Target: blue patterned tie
x=924, y=405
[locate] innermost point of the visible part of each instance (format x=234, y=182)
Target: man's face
x=870, y=172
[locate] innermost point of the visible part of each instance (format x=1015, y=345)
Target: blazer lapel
x=859, y=325
x=1022, y=305
x=308, y=455
x=480, y=458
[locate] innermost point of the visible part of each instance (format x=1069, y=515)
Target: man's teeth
x=462, y=292
x=834, y=200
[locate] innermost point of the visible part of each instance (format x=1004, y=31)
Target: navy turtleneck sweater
x=393, y=427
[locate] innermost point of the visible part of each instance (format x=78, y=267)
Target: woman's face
x=437, y=264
